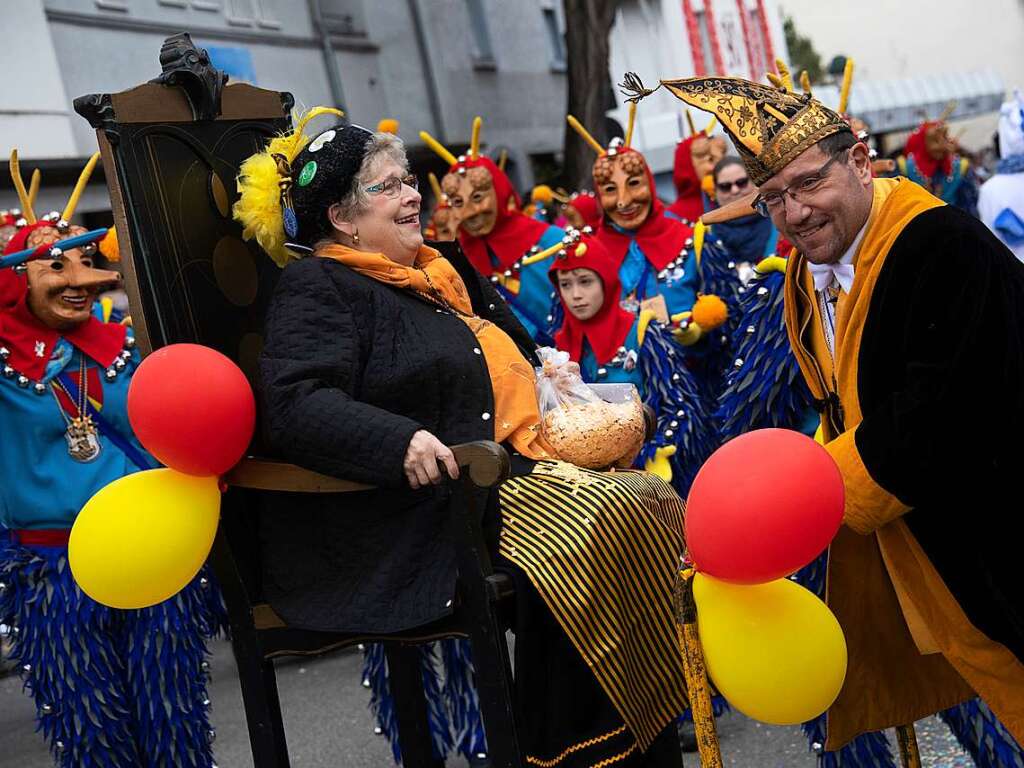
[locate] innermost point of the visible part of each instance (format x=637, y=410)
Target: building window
x=556, y=39
x=707, y=51
x=483, y=51
x=344, y=17
x=246, y=13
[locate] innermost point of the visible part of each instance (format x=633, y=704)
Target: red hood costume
x=607, y=330
x=660, y=237
x=588, y=207
x=689, y=204
x=514, y=233
x=28, y=342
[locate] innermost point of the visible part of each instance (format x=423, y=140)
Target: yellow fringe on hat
x=258, y=209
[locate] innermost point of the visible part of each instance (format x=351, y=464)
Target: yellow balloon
x=142, y=538
x=774, y=651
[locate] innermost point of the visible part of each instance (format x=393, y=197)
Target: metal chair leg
x=405, y=676
x=910, y=755
x=696, y=674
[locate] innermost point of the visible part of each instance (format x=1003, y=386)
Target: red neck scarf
x=607, y=330
x=917, y=149
x=514, y=233
x=31, y=343
x=660, y=238
x=689, y=204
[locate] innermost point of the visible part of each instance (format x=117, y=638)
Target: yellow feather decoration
x=19, y=185
x=439, y=149
x=258, y=209
x=33, y=186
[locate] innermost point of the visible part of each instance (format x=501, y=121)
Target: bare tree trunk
x=588, y=25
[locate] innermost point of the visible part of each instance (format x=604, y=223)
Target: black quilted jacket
x=351, y=368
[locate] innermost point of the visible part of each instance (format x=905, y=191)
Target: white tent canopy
x=901, y=104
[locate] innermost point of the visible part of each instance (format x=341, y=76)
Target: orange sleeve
x=868, y=505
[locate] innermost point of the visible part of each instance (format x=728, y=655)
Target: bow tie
x=824, y=274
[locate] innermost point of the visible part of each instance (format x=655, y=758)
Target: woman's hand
x=421, y=459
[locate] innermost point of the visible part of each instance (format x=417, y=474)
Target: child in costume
x=612, y=345
x=495, y=235
x=113, y=688
x=659, y=268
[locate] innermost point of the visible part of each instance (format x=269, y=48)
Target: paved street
x=329, y=725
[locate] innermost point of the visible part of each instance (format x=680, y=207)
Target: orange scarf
x=516, y=414
x=431, y=274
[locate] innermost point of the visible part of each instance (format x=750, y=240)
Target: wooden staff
x=695, y=672
x=910, y=755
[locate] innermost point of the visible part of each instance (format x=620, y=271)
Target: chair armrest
x=486, y=461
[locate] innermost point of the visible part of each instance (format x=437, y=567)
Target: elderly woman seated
x=381, y=351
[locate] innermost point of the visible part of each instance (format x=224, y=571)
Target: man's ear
x=861, y=156
x=334, y=216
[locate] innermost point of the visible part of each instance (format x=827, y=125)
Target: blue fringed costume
x=112, y=688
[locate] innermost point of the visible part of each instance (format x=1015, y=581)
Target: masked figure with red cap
x=694, y=160
x=112, y=688
x=931, y=158
x=495, y=235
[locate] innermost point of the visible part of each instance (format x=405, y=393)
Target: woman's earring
x=355, y=237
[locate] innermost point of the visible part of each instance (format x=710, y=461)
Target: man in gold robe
x=907, y=319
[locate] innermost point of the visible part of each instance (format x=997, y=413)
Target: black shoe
x=687, y=736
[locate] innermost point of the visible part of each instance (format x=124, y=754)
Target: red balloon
x=192, y=408
x=763, y=506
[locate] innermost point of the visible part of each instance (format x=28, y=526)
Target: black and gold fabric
x=770, y=126
x=602, y=549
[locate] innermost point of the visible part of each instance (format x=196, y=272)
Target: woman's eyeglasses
x=728, y=186
x=392, y=186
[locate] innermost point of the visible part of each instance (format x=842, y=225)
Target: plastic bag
x=580, y=426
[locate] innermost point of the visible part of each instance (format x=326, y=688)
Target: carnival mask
x=473, y=200
x=705, y=153
x=623, y=186
x=446, y=224
x=61, y=291
x=937, y=142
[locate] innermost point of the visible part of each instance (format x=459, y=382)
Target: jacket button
x=490, y=307
x=485, y=416
x=476, y=350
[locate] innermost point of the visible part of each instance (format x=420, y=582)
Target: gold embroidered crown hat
x=769, y=125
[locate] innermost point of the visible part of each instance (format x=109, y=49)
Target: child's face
x=582, y=292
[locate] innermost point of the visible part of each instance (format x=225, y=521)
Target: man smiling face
x=826, y=201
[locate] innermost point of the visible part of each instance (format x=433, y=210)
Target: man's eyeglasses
x=392, y=186
x=728, y=186
x=772, y=202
